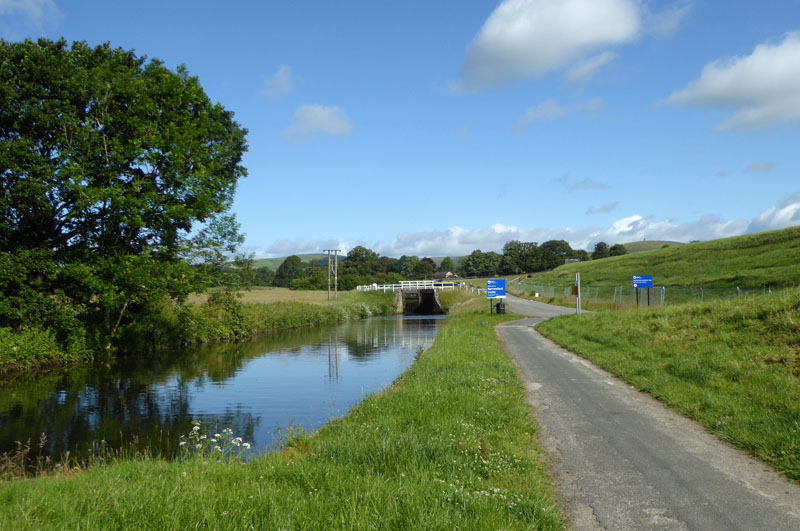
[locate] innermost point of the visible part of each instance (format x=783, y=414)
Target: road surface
x=624, y=461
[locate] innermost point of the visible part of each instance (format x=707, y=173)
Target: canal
x=260, y=388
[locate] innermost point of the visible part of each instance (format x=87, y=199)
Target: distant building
x=441, y=275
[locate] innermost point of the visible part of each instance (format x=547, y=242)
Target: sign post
x=578, y=293
x=495, y=289
x=642, y=282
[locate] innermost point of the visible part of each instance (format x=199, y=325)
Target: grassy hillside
x=638, y=247
x=756, y=260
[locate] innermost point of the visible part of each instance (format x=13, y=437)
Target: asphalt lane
x=624, y=461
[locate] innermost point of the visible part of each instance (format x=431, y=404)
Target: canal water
x=299, y=378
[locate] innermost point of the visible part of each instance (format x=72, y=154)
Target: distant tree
x=617, y=250
x=263, y=276
x=600, y=251
x=361, y=261
x=430, y=261
x=447, y=265
x=424, y=270
x=480, y=264
x=407, y=266
x=582, y=255
x=290, y=269
x=512, y=261
x=315, y=279
x=554, y=253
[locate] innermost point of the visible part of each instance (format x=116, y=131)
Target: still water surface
x=301, y=378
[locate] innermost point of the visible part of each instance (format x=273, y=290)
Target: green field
x=769, y=259
x=732, y=365
x=638, y=247
x=451, y=445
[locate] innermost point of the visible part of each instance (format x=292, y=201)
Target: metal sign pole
x=578, y=302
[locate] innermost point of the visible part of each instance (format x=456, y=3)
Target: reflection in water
x=253, y=387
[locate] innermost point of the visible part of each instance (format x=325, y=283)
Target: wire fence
x=628, y=296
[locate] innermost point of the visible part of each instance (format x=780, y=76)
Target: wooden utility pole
x=333, y=271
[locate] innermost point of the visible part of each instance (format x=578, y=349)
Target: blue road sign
x=496, y=289
x=642, y=281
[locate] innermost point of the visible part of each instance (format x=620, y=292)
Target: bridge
x=415, y=296
x=409, y=285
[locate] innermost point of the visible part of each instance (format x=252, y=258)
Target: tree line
x=364, y=266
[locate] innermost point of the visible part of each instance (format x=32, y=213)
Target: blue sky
x=437, y=128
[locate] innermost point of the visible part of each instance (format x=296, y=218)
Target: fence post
x=663, y=292
x=701, y=293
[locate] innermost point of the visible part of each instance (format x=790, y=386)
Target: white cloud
x=550, y=110
x=312, y=119
x=585, y=70
x=523, y=38
x=459, y=241
x=763, y=88
x=785, y=214
x=281, y=83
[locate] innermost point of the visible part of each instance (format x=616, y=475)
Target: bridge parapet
x=409, y=285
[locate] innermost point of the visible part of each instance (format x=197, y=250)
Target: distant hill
x=756, y=260
x=275, y=263
x=638, y=247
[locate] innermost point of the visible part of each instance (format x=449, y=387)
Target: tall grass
x=451, y=445
x=733, y=365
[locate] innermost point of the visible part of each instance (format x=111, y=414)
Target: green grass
x=753, y=261
x=638, y=247
x=734, y=365
x=451, y=445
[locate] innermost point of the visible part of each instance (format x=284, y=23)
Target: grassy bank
x=216, y=318
x=451, y=445
x=734, y=365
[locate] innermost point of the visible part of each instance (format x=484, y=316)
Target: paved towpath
x=624, y=461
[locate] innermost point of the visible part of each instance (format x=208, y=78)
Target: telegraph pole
x=333, y=271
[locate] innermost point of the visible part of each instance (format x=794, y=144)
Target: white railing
x=408, y=285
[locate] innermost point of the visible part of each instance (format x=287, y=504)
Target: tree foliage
x=109, y=161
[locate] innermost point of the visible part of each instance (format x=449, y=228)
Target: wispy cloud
x=33, y=14
x=550, y=110
x=585, y=70
x=280, y=84
x=604, y=209
x=666, y=22
x=459, y=241
x=309, y=120
x=763, y=87
x=571, y=185
x=759, y=167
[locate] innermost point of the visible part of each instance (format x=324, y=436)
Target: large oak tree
x=108, y=163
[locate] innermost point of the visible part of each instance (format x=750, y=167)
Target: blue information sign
x=496, y=289
x=642, y=281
